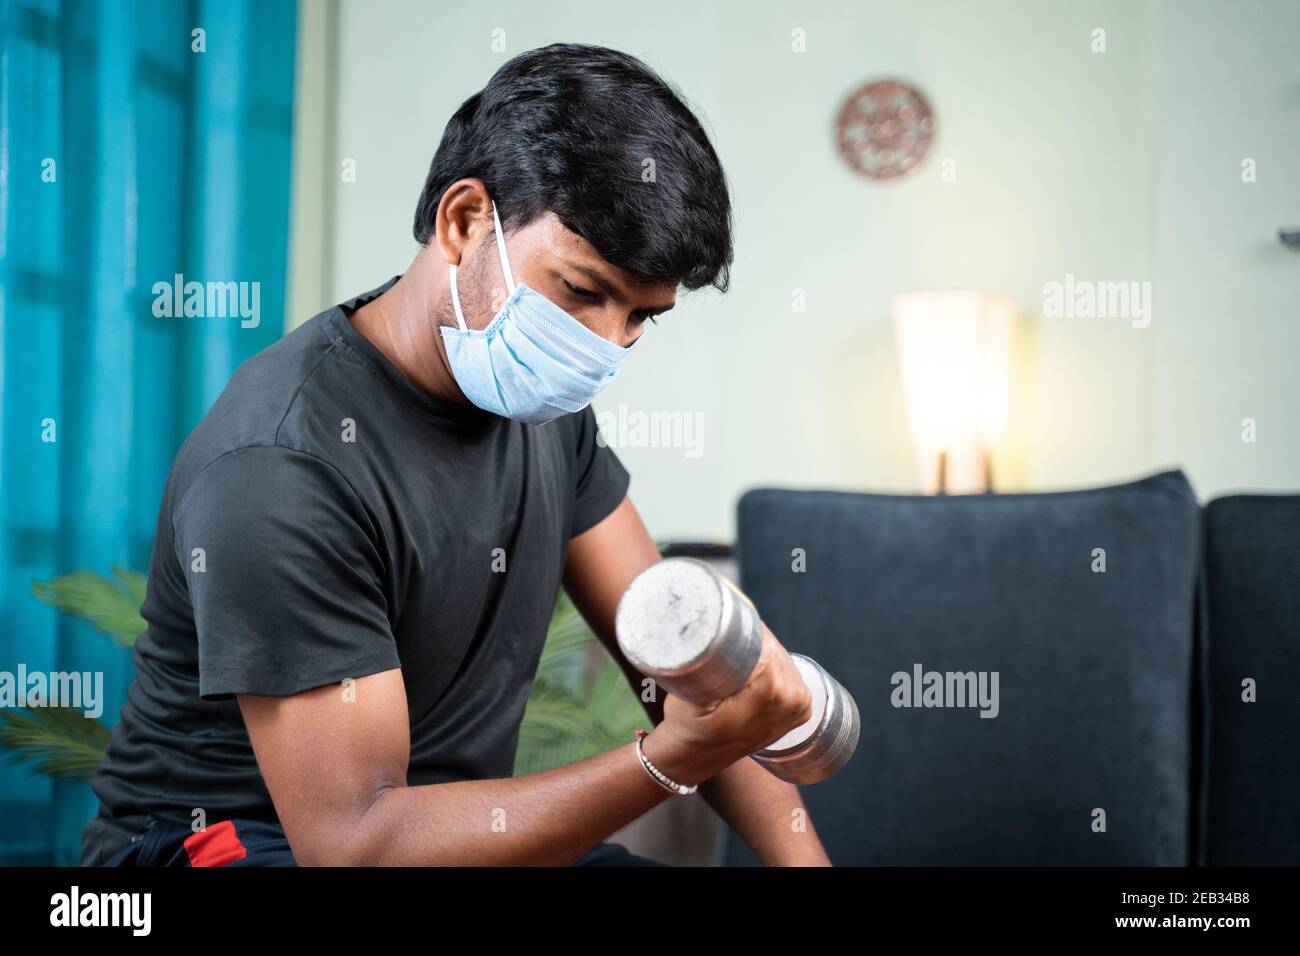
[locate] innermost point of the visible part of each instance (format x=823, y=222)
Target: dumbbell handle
x=700, y=638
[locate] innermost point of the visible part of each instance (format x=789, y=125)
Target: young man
x=361, y=544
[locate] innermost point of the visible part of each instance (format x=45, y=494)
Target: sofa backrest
x=1087, y=760
x=1251, y=814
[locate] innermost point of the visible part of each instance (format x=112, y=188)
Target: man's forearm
x=551, y=818
x=767, y=813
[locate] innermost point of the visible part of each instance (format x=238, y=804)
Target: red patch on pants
x=215, y=846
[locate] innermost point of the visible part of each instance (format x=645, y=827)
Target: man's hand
x=773, y=701
x=767, y=812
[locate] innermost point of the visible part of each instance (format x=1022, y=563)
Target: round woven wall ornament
x=884, y=129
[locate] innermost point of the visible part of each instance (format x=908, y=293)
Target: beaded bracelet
x=658, y=775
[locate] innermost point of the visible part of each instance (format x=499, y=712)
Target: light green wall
x=1103, y=165
x=1227, y=333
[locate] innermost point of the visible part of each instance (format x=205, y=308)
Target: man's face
x=564, y=267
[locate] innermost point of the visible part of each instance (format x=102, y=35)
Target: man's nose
x=617, y=329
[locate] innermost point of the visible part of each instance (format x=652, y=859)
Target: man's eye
x=580, y=293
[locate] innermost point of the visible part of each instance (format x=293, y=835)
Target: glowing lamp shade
x=954, y=350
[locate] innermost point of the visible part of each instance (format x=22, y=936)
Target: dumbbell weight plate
x=819, y=748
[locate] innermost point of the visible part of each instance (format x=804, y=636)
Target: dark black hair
x=567, y=129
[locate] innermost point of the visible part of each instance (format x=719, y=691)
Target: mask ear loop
x=501, y=250
x=455, y=302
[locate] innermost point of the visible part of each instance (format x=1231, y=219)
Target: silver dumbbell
x=695, y=633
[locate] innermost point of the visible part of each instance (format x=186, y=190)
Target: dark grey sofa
x=1120, y=735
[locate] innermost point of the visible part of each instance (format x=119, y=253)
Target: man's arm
x=335, y=763
x=768, y=813
x=335, y=759
x=289, y=603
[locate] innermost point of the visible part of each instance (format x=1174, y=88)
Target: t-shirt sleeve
x=601, y=480
x=284, y=574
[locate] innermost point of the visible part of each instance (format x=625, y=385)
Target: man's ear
x=464, y=212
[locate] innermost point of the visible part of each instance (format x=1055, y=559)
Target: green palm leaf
x=615, y=706
x=568, y=631
x=552, y=710
x=60, y=741
x=556, y=729
x=570, y=717
x=110, y=606
x=564, y=655
x=133, y=582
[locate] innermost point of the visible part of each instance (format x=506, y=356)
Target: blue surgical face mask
x=534, y=362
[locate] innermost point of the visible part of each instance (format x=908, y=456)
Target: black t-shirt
x=329, y=519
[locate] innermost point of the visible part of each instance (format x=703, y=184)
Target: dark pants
x=259, y=843
x=228, y=843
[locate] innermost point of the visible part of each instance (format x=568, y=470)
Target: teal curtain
x=139, y=140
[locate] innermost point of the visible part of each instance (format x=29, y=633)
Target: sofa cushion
x=1252, y=559
x=1093, y=667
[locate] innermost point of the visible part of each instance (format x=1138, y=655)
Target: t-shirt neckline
x=339, y=318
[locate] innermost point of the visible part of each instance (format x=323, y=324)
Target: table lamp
x=954, y=351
